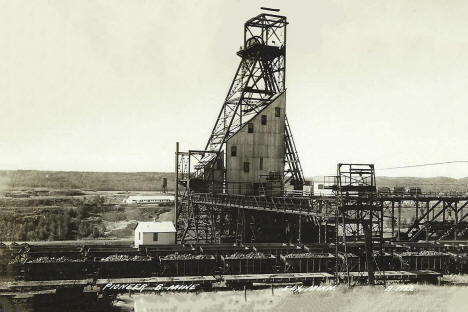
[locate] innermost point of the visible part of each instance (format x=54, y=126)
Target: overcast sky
x=112, y=85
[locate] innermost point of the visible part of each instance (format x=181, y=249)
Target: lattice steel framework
x=358, y=215
x=259, y=79
x=426, y=217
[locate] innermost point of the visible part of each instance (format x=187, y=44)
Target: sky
x=112, y=85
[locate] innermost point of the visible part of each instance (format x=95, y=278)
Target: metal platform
x=278, y=278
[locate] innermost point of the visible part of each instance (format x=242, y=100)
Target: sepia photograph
x=169, y=155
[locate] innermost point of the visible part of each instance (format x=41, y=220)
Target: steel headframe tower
x=260, y=78
x=358, y=216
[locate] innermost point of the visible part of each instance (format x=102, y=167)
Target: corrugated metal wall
x=266, y=143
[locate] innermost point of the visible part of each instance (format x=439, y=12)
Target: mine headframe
x=259, y=79
x=358, y=216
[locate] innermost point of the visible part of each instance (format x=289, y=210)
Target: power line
x=410, y=166
x=425, y=165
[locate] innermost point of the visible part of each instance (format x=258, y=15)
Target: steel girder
x=358, y=214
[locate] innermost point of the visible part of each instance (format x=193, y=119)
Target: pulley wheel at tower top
x=253, y=41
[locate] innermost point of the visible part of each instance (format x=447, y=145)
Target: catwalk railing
x=290, y=204
x=312, y=204
x=431, y=216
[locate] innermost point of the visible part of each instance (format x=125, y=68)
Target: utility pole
x=176, y=209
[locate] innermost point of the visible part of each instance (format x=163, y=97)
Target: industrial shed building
x=149, y=199
x=155, y=233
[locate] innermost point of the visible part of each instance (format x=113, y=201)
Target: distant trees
x=102, y=181
x=32, y=224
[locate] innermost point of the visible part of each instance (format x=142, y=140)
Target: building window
x=155, y=237
x=320, y=186
x=250, y=127
x=277, y=111
x=233, y=151
x=264, y=119
x=139, y=235
x=261, y=163
x=246, y=166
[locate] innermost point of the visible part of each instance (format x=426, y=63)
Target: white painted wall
x=146, y=238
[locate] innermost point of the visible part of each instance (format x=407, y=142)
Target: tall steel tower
x=251, y=150
x=259, y=79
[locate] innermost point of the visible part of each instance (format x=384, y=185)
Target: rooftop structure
x=149, y=199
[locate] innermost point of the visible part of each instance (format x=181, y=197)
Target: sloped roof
x=156, y=227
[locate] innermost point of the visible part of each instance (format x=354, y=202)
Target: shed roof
x=156, y=227
x=150, y=197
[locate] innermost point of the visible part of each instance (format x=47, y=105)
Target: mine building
x=149, y=199
x=155, y=233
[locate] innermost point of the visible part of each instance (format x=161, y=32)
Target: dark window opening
x=155, y=237
x=246, y=167
x=250, y=128
x=264, y=119
x=261, y=163
x=234, y=151
x=277, y=111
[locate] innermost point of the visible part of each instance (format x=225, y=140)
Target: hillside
x=152, y=181
x=99, y=181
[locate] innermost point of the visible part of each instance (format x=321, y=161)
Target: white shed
x=155, y=233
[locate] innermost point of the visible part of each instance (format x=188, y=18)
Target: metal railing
x=290, y=204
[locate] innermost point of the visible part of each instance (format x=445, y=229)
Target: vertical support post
x=320, y=230
x=382, y=264
x=358, y=217
x=381, y=228
x=336, y=247
x=455, y=234
x=243, y=226
x=195, y=219
x=188, y=172
x=444, y=207
x=325, y=234
x=300, y=229
x=176, y=208
x=461, y=210
x=399, y=219
x=367, y=229
x=346, y=250
x=426, y=225
x=417, y=209
x=393, y=219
